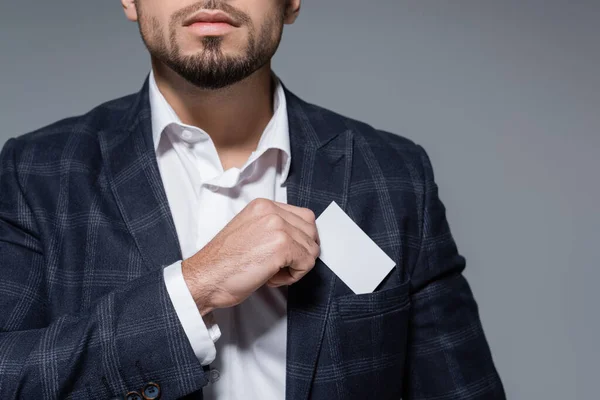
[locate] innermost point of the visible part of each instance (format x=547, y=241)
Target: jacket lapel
x=134, y=178
x=319, y=174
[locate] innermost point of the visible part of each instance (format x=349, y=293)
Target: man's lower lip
x=211, y=28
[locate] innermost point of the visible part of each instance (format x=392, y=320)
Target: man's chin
x=203, y=51
x=209, y=77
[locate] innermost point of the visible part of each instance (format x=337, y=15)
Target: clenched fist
x=267, y=242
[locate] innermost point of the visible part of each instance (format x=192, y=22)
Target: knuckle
x=305, y=267
x=315, y=251
x=274, y=222
x=309, y=215
x=281, y=239
x=310, y=266
x=278, y=260
x=260, y=206
x=296, y=275
x=314, y=234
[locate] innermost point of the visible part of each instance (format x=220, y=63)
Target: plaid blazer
x=86, y=229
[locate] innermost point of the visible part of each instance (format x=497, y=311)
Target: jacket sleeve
x=126, y=339
x=448, y=355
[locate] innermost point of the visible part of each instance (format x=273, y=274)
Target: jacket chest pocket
x=369, y=341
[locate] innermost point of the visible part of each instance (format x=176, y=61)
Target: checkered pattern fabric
x=86, y=229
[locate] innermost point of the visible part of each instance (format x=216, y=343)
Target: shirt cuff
x=202, y=333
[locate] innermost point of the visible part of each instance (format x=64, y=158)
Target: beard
x=211, y=68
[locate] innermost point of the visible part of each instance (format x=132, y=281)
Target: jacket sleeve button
x=133, y=396
x=151, y=391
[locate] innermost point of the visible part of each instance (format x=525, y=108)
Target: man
x=164, y=244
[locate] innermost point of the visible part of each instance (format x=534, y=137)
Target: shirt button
x=215, y=375
x=186, y=135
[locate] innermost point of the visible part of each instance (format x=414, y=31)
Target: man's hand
x=267, y=242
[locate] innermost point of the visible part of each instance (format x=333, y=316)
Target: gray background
x=504, y=95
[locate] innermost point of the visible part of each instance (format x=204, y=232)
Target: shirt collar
x=276, y=134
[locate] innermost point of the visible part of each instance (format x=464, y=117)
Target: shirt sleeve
x=202, y=333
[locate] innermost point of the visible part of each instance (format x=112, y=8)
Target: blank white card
x=349, y=252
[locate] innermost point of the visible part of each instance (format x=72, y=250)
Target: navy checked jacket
x=86, y=229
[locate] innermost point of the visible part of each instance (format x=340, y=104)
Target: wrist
x=199, y=289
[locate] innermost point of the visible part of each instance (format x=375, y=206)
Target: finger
x=302, y=254
x=281, y=278
x=304, y=213
x=298, y=253
x=307, y=245
x=302, y=218
x=298, y=218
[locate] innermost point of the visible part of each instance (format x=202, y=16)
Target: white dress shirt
x=246, y=344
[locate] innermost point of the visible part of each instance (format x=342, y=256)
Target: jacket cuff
x=202, y=333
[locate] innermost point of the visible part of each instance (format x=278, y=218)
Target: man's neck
x=234, y=117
